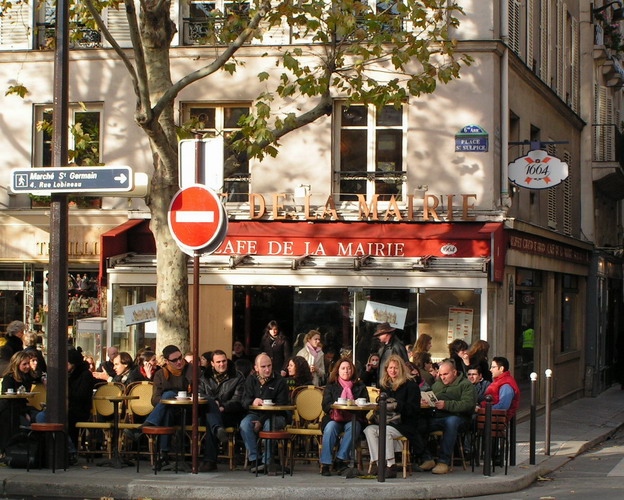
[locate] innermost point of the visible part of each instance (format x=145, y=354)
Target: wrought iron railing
x=80, y=37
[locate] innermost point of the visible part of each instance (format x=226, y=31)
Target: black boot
x=325, y=470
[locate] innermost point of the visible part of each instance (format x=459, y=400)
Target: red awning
x=132, y=236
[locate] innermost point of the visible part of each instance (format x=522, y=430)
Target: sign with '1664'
x=538, y=170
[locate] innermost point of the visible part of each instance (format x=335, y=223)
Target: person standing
x=312, y=352
x=390, y=343
x=14, y=335
x=276, y=345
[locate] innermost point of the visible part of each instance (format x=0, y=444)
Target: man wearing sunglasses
x=175, y=376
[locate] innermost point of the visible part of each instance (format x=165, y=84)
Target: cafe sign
x=538, y=170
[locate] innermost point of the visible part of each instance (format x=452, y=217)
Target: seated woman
x=298, y=373
x=403, y=413
x=422, y=361
x=17, y=378
x=145, y=366
x=342, y=383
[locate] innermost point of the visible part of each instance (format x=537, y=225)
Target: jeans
x=214, y=420
x=330, y=436
x=250, y=437
x=450, y=426
x=161, y=415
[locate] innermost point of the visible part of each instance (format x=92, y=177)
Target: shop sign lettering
x=547, y=248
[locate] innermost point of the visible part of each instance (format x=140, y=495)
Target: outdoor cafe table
x=354, y=409
x=116, y=461
x=13, y=398
x=272, y=410
x=183, y=404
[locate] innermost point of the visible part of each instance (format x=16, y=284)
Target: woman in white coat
x=312, y=352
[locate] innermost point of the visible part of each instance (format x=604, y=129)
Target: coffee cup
x=361, y=401
x=267, y=401
x=10, y=391
x=341, y=401
x=182, y=394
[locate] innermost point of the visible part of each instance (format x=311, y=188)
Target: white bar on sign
x=193, y=216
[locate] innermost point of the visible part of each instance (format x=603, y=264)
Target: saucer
x=183, y=398
x=268, y=404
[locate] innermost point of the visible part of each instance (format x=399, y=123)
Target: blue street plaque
x=471, y=139
x=45, y=181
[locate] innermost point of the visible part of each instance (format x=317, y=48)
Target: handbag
x=339, y=415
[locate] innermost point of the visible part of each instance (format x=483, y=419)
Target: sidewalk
x=575, y=428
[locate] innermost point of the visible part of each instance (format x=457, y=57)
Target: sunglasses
x=176, y=360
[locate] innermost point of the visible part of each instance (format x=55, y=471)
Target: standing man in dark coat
x=14, y=334
x=390, y=344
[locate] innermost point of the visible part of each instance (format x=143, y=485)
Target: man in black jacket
x=390, y=344
x=261, y=386
x=224, y=386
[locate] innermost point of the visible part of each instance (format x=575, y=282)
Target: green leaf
x=18, y=90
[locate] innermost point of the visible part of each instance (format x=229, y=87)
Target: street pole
x=533, y=419
x=487, y=440
x=548, y=374
x=381, y=459
x=56, y=410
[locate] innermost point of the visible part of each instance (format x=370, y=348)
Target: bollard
x=512, y=441
x=487, y=437
x=381, y=460
x=533, y=418
x=548, y=374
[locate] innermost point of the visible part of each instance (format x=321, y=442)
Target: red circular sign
x=196, y=217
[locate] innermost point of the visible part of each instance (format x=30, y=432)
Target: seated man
x=175, y=376
x=224, y=386
x=503, y=389
x=456, y=403
x=480, y=384
x=260, y=385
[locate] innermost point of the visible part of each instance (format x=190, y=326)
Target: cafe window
x=131, y=338
x=371, y=156
x=569, y=309
x=222, y=124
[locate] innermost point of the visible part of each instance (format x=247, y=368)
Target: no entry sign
x=197, y=219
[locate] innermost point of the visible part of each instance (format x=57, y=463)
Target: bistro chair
x=137, y=409
x=38, y=401
x=307, y=422
x=499, y=435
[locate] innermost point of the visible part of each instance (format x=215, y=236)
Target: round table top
x=354, y=407
x=122, y=397
x=273, y=407
x=17, y=395
x=183, y=401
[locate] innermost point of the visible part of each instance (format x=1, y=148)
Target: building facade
x=369, y=214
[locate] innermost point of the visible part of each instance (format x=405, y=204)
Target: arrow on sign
x=121, y=178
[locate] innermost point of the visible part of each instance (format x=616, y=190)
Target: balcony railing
x=79, y=37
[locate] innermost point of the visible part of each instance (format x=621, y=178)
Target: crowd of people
x=233, y=385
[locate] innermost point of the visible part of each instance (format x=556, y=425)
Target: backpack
x=17, y=451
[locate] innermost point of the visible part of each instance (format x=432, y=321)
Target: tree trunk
x=171, y=263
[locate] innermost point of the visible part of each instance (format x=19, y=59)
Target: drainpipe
x=504, y=103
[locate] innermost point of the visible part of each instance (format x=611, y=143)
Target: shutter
x=609, y=129
x=552, y=193
x=575, y=65
x=530, y=35
x=562, y=49
x=16, y=27
x=544, y=31
x=567, y=196
x=174, y=12
x=117, y=23
x=514, y=25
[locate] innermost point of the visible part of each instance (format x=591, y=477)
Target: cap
x=383, y=328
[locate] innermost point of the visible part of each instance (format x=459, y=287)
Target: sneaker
x=208, y=466
x=132, y=434
x=340, y=466
x=325, y=470
x=427, y=465
x=440, y=468
x=391, y=472
x=221, y=435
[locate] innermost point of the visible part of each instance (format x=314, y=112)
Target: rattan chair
x=307, y=422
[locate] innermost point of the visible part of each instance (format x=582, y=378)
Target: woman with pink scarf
x=312, y=352
x=343, y=383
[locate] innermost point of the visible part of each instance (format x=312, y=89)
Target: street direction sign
x=197, y=219
x=45, y=181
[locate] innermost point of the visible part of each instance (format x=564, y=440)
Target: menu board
x=460, y=324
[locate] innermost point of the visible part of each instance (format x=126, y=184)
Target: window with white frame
x=221, y=122
x=84, y=135
x=371, y=156
x=213, y=22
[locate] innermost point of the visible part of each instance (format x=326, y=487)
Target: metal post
x=56, y=410
x=487, y=437
x=195, y=346
x=381, y=460
x=548, y=374
x=533, y=418
x=512, y=441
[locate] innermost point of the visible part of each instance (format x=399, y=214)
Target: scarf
x=173, y=371
x=347, y=386
x=261, y=379
x=316, y=352
x=219, y=377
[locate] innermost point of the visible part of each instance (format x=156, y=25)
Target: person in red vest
x=503, y=389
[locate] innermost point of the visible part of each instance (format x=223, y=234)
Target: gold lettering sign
x=74, y=248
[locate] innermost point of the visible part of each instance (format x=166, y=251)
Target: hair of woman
x=333, y=377
x=272, y=324
x=479, y=348
x=421, y=359
x=456, y=346
x=311, y=334
x=422, y=343
x=16, y=360
x=402, y=377
x=302, y=376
